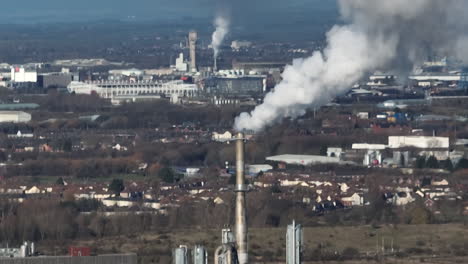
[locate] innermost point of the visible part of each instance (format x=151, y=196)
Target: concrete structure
x=365, y=146
x=21, y=75
x=294, y=244
x=226, y=253
x=372, y=158
x=220, y=101
x=199, y=255
x=127, y=72
x=241, y=190
x=395, y=142
x=237, y=45
x=14, y=117
x=180, y=255
x=436, y=77
x=193, y=37
x=401, y=158
x=54, y=80
x=115, y=89
x=180, y=64
x=334, y=152
x=261, y=66
x=303, y=159
x=134, y=99
x=244, y=85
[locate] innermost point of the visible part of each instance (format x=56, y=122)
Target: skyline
x=261, y=11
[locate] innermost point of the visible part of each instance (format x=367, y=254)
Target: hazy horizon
x=244, y=12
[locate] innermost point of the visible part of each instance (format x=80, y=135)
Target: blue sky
x=33, y=11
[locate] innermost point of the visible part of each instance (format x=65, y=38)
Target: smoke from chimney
x=222, y=23
x=381, y=35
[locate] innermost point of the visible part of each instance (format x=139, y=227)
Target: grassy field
x=267, y=245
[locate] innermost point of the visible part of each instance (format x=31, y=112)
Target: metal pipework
x=215, y=65
x=241, y=189
x=224, y=255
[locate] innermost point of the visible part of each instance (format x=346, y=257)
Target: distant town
x=120, y=160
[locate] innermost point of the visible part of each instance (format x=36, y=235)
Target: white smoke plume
x=222, y=23
x=378, y=35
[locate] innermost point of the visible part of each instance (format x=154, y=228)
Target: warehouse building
x=54, y=80
x=14, y=117
x=236, y=86
x=304, y=159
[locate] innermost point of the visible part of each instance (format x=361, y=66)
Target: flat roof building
x=395, y=142
x=14, y=117
x=303, y=159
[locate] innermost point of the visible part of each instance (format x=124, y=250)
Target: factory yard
x=411, y=244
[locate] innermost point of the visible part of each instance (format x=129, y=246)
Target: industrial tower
x=193, y=37
x=241, y=190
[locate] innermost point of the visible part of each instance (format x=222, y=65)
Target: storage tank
x=199, y=255
x=180, y=255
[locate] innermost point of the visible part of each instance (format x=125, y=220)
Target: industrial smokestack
x=193, y=37
x=215, y=64
x=241, y=189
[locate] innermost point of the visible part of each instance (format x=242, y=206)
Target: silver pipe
x=241, y=189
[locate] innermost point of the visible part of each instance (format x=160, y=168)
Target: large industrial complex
x=128, y=141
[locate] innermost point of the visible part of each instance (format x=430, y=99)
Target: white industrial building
x=14, y=117
x=239, y=44
x=396, y=142
x=113, y=89
x=304, y=159
x=372, y=153
x=21, y=75
x=180, y=64
x=127, y=72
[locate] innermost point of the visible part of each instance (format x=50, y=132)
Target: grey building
x=236, y=86
x=54, y=80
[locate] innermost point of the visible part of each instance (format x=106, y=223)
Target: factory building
x=14, y=117
x=395, y=142
x=115, y=89
x=236, y=86
x=258, y=66
x=54, y=80
x=127, y=72
x=304, y=159
x=180, y=64
x=428, y=146
x=22, y=75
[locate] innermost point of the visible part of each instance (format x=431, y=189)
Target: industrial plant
x=234, y=245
